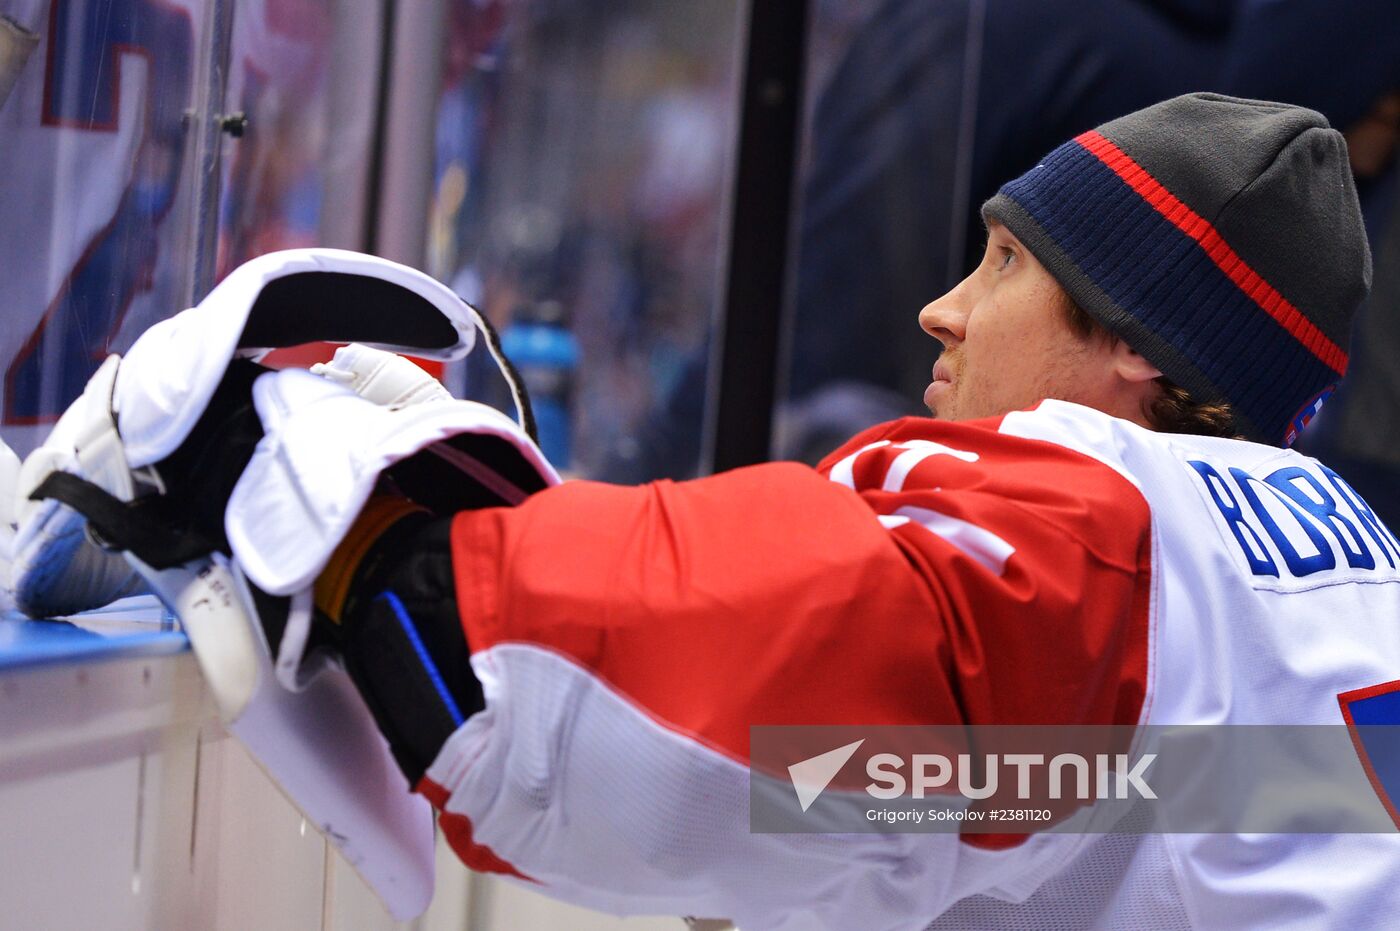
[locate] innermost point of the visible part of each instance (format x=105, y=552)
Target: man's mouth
x=942, y=379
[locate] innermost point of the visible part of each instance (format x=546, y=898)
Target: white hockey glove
x=227, y=487
x=56, y=568
x=150, y=453
x=324, y=453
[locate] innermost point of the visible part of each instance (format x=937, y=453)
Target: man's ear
x=1130, y=365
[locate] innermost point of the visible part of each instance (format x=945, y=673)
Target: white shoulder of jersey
x=1122, y=444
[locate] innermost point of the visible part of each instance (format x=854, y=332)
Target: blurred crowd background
x=581, y=160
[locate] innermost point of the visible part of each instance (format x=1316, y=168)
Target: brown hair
x=1173, y=410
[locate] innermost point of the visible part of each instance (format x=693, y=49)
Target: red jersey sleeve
x=926, y=573
x=627, y=639
x=1038, y=557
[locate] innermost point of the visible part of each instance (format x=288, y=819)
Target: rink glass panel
x=297, y=144
x=583, y=156
x=272, y=195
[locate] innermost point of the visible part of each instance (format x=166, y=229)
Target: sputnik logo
x=1072, y=775
x=811, y=776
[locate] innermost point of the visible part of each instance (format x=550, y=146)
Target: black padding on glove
x=134, y=527
x=340, y=307
x=404, y=646
x=199, y=476
x=440, y=486
x=186, y=520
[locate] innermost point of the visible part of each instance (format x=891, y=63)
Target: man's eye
x=1006, y=257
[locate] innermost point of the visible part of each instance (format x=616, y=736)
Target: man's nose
x=945, y=319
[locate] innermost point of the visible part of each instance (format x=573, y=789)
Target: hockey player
x=571, y=679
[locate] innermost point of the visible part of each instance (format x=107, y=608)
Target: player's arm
x=625, y=639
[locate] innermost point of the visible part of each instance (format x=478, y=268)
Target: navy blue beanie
x=1220, y=238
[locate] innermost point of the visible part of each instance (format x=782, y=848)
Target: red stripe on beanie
x=1198, y=228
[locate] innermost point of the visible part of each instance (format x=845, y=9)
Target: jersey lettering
x=1289, y=523
x=1374, y=528
x=1251, y=544
x=979, y=543
x=983, y=546
x=914, y=452
x=1299, y=564
x=1323, y=507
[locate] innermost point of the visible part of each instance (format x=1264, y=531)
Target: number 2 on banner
x=89, y=42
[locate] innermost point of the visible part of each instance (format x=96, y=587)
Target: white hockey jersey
x=1053, y=566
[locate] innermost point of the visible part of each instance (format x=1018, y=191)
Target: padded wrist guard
x=403, y=643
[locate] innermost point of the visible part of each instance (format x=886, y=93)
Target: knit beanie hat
x=1220, y=238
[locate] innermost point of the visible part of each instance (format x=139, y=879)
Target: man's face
x=1007, y=340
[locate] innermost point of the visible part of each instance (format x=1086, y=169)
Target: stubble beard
x=954, y=361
